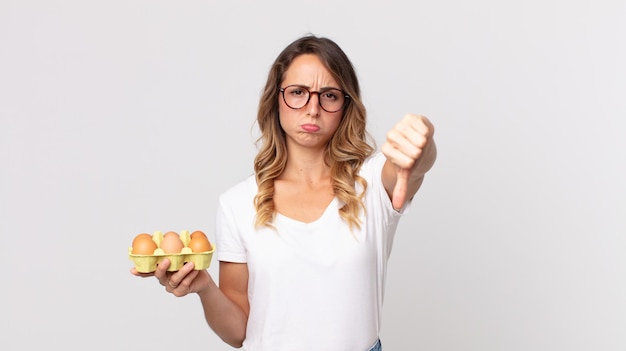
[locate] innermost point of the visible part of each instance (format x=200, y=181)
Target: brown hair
x=346, y=150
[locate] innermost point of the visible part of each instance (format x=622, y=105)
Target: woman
x=303, y=244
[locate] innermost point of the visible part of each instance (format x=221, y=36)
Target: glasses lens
x=332, y=100
x=295, y=96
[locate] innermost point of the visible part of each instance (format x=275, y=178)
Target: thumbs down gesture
x=411, y=152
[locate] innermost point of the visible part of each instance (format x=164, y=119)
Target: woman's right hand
x=179, y=283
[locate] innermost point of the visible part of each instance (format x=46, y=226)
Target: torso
x=312, y=280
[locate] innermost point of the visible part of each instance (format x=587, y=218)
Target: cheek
x=284, y=113
x=334, y=125
x=335, y=119
x=283, y=109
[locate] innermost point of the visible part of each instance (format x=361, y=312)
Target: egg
x=171, y=243
x=143, y=244
x=197, y=233
x=199, y=243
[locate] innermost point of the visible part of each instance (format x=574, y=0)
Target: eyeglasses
x=297, y=96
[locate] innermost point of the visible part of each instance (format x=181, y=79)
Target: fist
x=409, y=146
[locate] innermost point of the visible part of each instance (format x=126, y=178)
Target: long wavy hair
x=345, y=151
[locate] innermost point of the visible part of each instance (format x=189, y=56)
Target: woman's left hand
x=411, y=148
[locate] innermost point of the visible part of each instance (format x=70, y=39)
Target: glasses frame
x=319, y=101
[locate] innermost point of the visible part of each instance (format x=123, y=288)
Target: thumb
x=400, y=189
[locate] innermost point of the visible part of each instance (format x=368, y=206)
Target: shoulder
x=373, y=165
x=244, y=189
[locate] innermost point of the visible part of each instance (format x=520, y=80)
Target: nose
x=314, y=106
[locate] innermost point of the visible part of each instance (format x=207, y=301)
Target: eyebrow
x=309, y=88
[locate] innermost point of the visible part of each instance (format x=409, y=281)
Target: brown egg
x=143, y=244
x=199, y=243
x=197, y=233
x=172, y=243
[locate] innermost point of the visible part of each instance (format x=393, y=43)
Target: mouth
x=311, y=128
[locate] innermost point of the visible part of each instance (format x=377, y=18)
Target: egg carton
x=148, y=263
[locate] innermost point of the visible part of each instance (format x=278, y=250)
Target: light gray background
x=119, y=117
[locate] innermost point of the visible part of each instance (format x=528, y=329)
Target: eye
x=331, y=95
x=296, y=91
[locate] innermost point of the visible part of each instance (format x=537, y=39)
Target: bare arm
x=411, y=152
x=226, y=308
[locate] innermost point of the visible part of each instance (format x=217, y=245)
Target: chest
x=325, y=247
x=303, y=204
